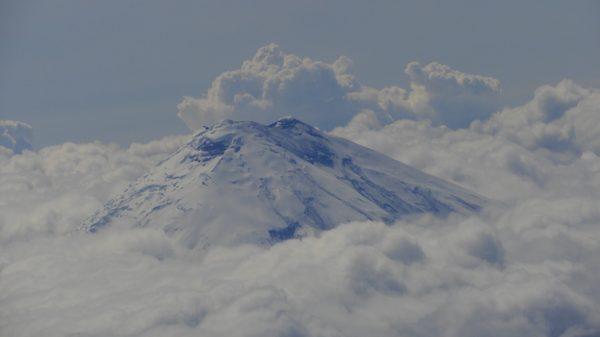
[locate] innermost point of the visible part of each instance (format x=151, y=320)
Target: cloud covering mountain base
x=528, y=269
x=461, y=277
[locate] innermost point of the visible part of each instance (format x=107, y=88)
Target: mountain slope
x=242, y=182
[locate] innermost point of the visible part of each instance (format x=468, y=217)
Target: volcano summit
x=242, y=182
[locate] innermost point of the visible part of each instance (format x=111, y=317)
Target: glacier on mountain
x=245, y=182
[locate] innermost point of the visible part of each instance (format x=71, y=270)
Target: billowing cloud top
x=274, y=84
x=454, y=98
x=15, y=136
x=564, y=118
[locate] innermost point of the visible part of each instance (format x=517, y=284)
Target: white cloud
x=53, y=190
x=443, y=79
x=274, y=84
x=417, y=279
x=452, y=97
x=14, y=136
x=561, y=119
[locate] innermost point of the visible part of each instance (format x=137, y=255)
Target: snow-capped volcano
x=239, y=182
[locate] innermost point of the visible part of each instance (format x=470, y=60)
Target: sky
x=499, y=97
x=82, y=71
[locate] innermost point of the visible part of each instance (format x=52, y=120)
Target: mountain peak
x=290, y=122
x=248, y=182
x=285, y=123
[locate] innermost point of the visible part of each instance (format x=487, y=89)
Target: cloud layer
x=274, y=84
x=529, y=267
x=50, y=192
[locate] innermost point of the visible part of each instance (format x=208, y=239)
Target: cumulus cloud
x=274, y=84
x=14, y=136
x=564, y=118
x=454, y=98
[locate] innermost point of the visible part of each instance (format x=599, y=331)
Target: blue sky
x=115, y=70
